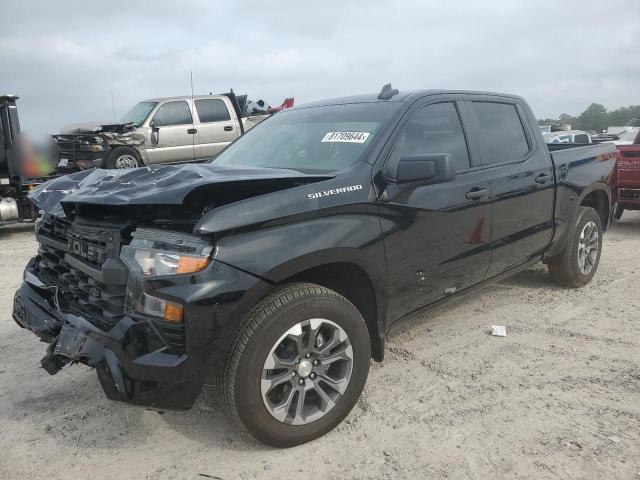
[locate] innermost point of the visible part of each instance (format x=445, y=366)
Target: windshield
x=138, y=114
x=321, y=139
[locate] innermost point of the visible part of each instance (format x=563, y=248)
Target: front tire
x=123, y=157
x=297, y=365
x=577, y=264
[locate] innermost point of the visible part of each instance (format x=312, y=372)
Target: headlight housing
x=154, y=253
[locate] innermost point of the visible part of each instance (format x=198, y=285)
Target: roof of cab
x=184, y=97
x=402, y=96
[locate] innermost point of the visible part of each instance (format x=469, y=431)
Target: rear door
x=173, y=131
x=436, y=236
x=217, y=127
x=521, y=178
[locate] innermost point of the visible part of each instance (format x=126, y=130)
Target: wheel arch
x=598, y=198
x=354, y=283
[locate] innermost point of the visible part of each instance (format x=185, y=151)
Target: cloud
x=65, y=58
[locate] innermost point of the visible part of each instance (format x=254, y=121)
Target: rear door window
x=211, y=110
x=173, y=113
x=502, y=137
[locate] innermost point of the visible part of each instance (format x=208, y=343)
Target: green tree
x=593, y=118
x=596, y=117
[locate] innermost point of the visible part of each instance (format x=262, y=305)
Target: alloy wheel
x=307, y=371
x=588, y=247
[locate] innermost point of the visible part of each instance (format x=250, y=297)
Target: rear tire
x=578, y=262
x=123, y=157
x=276, y=381
x=618, y=211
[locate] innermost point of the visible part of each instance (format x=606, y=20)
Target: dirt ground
x=559, y=397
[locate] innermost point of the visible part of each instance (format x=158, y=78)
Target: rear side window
x=212, y=111
x=435, y=129
x=173, y=113
x=501, y=134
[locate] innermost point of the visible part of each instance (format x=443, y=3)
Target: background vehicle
x=162, y=130
x=573, y=136
x=17, y=160
x=280, y=266
x=627, y=179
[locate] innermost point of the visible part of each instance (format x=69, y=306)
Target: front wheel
x=297, y=365
x=123, y=157
x=577, y=264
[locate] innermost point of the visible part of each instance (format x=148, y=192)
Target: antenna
x=113, y=107
x=191, y=74
x=387, y=92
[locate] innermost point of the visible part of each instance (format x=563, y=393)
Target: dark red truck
x=627, y=187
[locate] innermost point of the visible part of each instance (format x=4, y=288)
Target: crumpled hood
x=82, y=127
x=162, y=185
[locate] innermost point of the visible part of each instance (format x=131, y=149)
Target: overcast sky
x=64, y=58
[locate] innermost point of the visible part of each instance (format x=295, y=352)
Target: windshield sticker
x=346, y=137
x=334, y=191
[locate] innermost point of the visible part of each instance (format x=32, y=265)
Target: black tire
x=117, y=154
x=565, y=268
x=618, y=211
x=261, y=330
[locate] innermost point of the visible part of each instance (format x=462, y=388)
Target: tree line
x=596, y=117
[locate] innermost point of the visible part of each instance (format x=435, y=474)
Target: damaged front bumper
x=131, y=360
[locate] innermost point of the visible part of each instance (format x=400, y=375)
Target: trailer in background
x=20, y=168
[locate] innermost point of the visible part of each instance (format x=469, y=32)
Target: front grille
x=72, y=257
x=73, y=147
x=55, y=228
x=100, y=304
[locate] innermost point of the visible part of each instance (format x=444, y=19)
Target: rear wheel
x=297, y=366
x=123, y=157
x=578, y=263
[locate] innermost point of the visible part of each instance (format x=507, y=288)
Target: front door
x=172, y=133
x=437, y=237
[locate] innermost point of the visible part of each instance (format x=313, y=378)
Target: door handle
x=192, y=130
x=543, y=178
x=476, y=193
x=228, y=128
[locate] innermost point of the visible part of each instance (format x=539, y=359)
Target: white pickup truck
x=162, y=130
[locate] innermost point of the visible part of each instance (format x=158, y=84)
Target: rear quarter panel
x=579, y=171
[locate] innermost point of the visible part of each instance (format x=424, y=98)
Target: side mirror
x=155, y=132
x=425, y=169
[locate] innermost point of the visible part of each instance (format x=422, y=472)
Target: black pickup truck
x=278, y=268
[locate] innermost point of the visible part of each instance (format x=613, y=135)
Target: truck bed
x=578, y=153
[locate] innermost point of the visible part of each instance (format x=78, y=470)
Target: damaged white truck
x=162, y=130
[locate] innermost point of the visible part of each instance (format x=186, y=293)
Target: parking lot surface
x=559, y=397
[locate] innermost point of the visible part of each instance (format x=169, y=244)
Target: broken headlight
x=155, y=253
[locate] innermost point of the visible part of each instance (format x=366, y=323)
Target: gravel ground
x=559, y=397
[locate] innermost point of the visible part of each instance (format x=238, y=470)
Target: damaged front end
x=87, y=147
x=121, y=283
x=143, y=306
